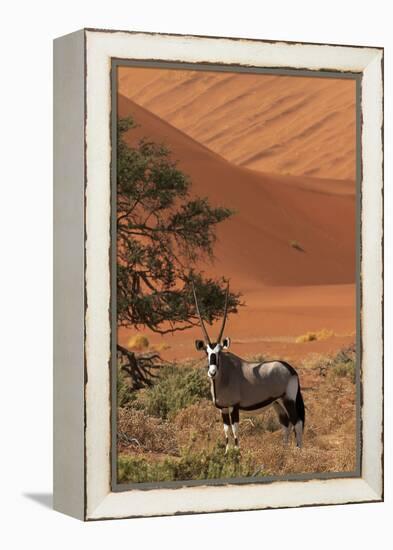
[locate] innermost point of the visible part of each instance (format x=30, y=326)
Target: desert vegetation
x=312, y=336
x=171, y=430
x=294, y=244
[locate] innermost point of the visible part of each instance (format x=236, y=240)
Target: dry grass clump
x=320, y=335
x=137, y=430
x=162, y=346
x=139, y=342
x=278, y=460
x=202, y=415
x=199, y=425
x=296, y=245
x=266, y=421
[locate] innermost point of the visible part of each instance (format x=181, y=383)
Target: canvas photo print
x=236, y=275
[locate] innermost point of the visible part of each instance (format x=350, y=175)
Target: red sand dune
x=279, y=124
x=287, y=291
x=256, y=245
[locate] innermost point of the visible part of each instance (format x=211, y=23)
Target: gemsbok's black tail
x=300, y=409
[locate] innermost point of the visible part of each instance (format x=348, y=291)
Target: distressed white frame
x=100, y=48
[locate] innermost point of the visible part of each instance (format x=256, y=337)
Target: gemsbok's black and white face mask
x=213, y=351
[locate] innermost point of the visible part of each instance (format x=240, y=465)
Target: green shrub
x=125, y=394
x=272, y=424
x=199, y=465
x=345, y=370
x=346, y=355
x=343, y=364
x=175, y=389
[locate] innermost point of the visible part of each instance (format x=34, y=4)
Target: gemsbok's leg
x=290, y=404
x=235, y=425
x=299, y=433
x=284, y=420
x=227, y=422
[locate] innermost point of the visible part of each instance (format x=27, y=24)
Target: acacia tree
x=161, y=233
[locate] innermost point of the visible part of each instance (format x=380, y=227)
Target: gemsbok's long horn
x=225, y=315
x=200, y=316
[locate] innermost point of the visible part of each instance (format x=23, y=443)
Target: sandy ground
x=278, y=124
x=271, y=323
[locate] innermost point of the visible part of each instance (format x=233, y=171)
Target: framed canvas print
x=218, y=274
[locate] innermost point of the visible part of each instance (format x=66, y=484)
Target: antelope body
x=239, y=385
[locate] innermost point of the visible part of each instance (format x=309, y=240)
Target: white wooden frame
x=82, y=105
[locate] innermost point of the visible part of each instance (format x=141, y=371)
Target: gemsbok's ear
x=199, y=345
x=226, y=343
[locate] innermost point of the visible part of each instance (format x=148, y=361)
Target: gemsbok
x=239, y=385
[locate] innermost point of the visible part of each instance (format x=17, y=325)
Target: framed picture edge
x=82, y=241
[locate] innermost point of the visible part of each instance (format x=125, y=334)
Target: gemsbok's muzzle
x=212, y=365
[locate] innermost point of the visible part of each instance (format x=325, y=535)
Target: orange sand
x=287, y=291
x=285, y=125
